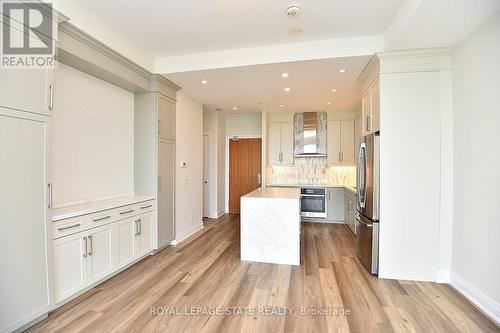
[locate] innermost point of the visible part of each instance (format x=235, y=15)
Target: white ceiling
x=192, y=26
x=311, y=83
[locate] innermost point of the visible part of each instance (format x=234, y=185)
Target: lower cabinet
x=350, y=206
x=87, y=257
x=335, y=204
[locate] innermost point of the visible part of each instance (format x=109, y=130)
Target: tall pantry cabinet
x=154, y=173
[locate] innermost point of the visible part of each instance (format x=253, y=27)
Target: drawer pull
x=146, y=207
x=126, y=212
x=102, y=218
x=70, y=227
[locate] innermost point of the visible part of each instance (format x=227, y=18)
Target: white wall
x=92, y=138
x=249, y=124
x=188, y=180
x=476, y=228
x=221, y=165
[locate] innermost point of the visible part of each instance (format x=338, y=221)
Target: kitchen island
x=270, y=226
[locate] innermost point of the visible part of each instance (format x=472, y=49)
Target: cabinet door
x=335, y=210
x=125, y=241
x=144, y=243
x=274, y=143
x=70, y=260
x=287, y=143
x=165, y=203
x=25, y=89
x=375, y=101
x=366, y=104
x=25, y=233
x=333, y=142
x=99, y=253
x=166, y=117
x=347, y=142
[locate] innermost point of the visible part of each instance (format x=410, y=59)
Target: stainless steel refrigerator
x=367, y=202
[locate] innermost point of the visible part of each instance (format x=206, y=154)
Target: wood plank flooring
x=205, y=271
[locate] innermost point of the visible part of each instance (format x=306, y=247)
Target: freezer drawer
x=367, y=233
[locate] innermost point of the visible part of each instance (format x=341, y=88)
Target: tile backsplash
x=312, y=174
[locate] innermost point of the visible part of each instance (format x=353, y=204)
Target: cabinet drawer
x=68, y=227
x=144, y=207
x=101, y=218
x=126, y=211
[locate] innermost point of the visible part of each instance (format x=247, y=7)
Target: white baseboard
x=187, y=233
x=486, y=304
x=443, y=276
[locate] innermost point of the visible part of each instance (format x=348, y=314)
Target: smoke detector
x=293, y=11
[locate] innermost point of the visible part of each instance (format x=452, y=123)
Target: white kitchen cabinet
x=340, y=143
x=350, y=206
x=125, y=241
x=371, y=108
x=25, y=233
x=335, y=204
x=280, y=143
x=166, y=117
x=29, y=90
x=99, y=253
x=165, y=201
x=143, y=242
x=70, y=271
x=154, y=160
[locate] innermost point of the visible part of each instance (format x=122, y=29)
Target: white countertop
x=97, y=206
x=350, y=188
x=275, y=193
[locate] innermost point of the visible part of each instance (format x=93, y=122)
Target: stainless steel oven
x=313, y=202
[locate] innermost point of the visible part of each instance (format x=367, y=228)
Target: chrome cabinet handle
x=85, y=249
x=159, y=126
x=51, y=97
x=368, y=122
x=102, y=218
x=50, y=202
x=158, y=183
x=126, y=212
x=148, y=206
x=140, y=227
x=136, y=227
x=90, y=241
x=70, y=227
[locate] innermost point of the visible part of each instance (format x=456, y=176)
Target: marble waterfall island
x=270, y=226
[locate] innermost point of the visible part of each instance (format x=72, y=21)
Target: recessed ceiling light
x=235, y=108
x=342, y=70
x=334, y=90
x=282, y=106
x=328, y=103
x=284, y=75
x=287, y=89
x=204, y=82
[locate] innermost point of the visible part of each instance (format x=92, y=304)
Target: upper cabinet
x=371, y=108
x=166, y=117
x=280, y=138
x=370, y=102
x=340, y=142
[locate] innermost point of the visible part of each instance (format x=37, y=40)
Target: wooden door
x=244, y=169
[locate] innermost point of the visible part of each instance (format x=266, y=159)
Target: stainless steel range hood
x=310, y=134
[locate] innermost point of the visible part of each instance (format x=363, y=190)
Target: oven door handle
x=314, y=195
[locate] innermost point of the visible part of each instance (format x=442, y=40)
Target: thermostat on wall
x=183, y=164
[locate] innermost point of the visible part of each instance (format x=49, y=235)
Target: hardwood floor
x=205, y=271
